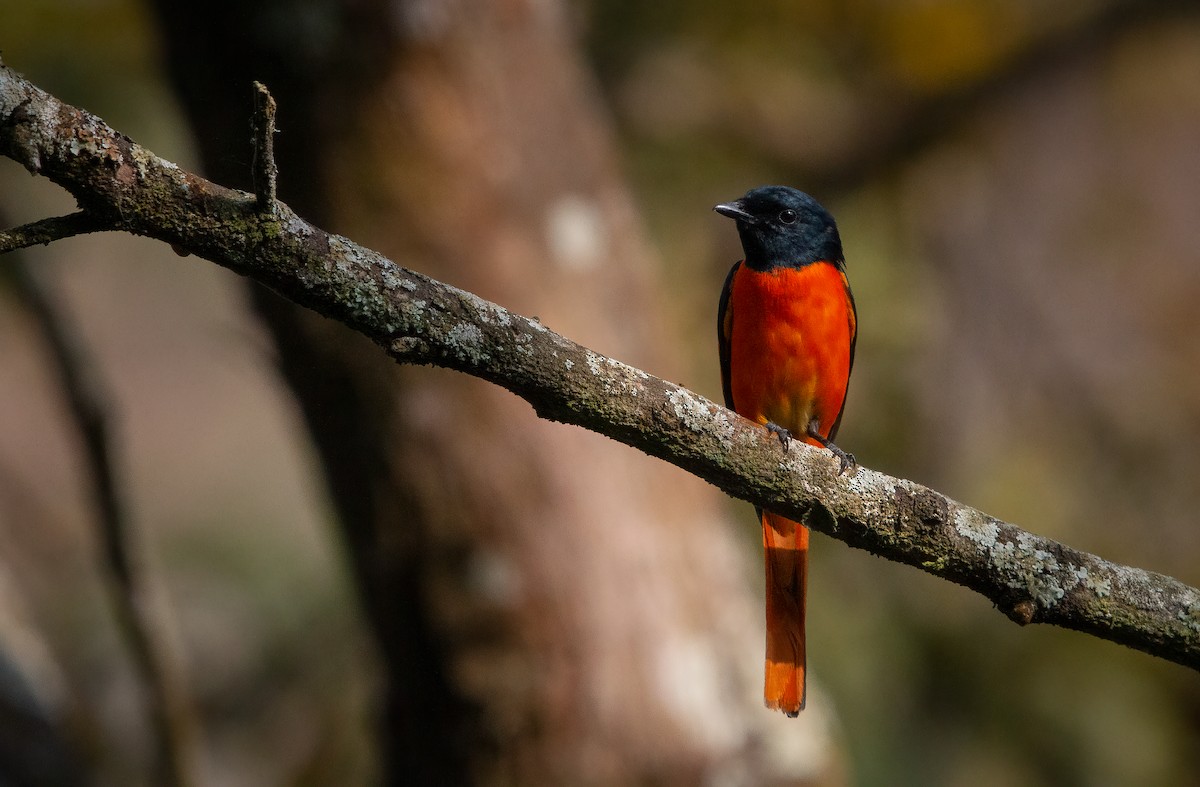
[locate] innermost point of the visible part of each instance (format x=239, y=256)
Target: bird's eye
x=787, y=216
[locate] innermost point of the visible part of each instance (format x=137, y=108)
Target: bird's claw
x=785, y=437
x=845, y=459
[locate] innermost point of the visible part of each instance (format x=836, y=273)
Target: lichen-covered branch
x=265, y=170
x=418, y=320
x=48, y=230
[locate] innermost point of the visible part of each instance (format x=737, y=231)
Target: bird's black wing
x=853, y=341
x=724, y=331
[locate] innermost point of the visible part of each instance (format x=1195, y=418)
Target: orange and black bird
x=786, y=331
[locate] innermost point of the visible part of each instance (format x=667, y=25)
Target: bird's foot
x=785, y=437
x=845, y=460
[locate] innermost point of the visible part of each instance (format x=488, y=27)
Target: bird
x=786, y=329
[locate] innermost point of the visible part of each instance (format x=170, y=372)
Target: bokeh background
x=371, y=575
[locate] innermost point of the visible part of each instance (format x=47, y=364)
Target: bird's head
x=783, y=227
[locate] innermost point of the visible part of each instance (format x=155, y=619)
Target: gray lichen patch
x=355, y=287
x=1190, y=617
x=393, y=278
x=1037, y=560
x=872, y=492
x=1025, y=564
x=523, y=344
x=616, y=378
x=1044, y=589
x=486, y=312
x=699, y=415
x=349, y=256
x=977, y=528
x=465, y=341
x=144, y=161
x=296, y=226
x=1101, y=586
x=413, y=315
x=723, y=428
x=594, y=362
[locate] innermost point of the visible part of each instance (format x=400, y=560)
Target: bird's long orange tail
x=785, y=547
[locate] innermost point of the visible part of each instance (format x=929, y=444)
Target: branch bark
x=48, y=230
x=418, y=320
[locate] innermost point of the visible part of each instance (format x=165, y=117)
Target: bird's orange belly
x=790, y=346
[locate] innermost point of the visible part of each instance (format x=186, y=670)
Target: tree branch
x=45, y=231
x=418, y=320
x=265, y=170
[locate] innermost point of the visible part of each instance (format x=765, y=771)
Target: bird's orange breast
x=790, y=337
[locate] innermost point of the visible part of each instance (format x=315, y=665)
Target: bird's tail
x=785, y=544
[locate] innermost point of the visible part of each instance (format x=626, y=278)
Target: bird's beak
x=734, y=210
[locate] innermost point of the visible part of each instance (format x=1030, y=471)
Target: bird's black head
x=783, y=227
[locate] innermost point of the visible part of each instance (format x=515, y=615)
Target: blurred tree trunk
x=550, y=606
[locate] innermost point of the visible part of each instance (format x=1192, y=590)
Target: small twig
x=265, y=170
x=138, y=620
x=45, y=231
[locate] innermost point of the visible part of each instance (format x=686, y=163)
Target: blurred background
x=373, y=575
